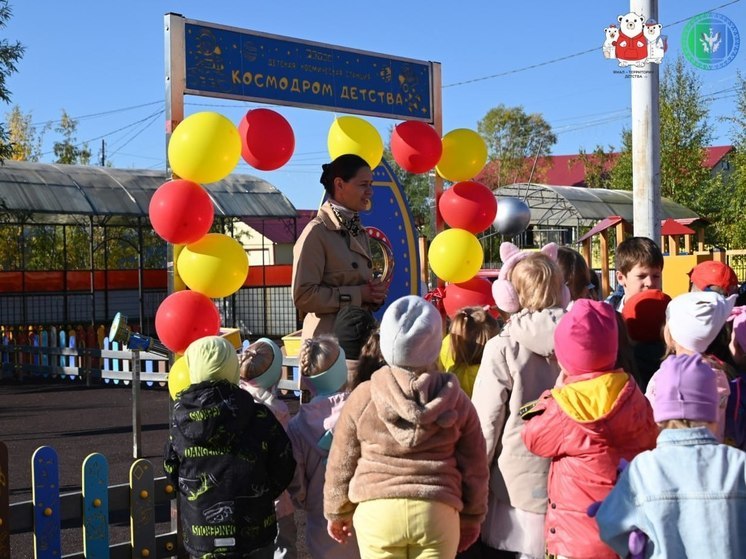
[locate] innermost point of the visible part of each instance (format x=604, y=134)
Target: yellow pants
x=406, y=529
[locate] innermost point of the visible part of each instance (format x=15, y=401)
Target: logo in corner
x=710, y=41
x=634, y=41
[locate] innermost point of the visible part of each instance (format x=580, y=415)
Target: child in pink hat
x=688, y=495
x=593, y=418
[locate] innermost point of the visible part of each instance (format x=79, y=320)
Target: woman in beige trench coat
x=332, y=259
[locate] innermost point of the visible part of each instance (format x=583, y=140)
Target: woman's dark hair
x=345, y=167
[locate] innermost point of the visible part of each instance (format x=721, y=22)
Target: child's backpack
x=735, y=413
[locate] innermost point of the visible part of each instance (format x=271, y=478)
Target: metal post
x=437, y=97
x=91, y=253
x=64, y=275
x=140, y=271
x=646, y=178
x=175, y=86
x=136, y=415
x=175, y=83
x=105, y=227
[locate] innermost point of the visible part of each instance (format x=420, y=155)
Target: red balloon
x=468, y=205
x=185, y=316
x=416, y=146
x=181, y=212
x=267, y=139
x=476, y=292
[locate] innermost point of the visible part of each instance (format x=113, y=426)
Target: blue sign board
x=247, y=65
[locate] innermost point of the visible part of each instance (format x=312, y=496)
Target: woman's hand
x=339, y=530
x=374, y=292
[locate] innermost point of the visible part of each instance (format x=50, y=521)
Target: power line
x=142, y=129
x=93, y=115
x=85, y=142
x=569, y=56
x=152, y=115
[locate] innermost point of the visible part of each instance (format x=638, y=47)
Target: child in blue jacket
x=688, y=495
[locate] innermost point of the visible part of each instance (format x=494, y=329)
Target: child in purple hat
x=688, y=495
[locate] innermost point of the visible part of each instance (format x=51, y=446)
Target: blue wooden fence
x=88, y=510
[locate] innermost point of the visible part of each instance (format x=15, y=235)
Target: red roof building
x=569, y=170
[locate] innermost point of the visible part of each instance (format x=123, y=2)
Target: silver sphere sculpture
x=513, y=216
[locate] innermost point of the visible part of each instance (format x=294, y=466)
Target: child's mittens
x=637, y=539
x=469, y=534
x=593, y=508
x=636, y=543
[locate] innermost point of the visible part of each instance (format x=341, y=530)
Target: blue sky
x=103, y=63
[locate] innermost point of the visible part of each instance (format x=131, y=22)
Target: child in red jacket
x=594, y=417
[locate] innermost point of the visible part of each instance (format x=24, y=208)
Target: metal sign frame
x=176, y=89
x=232, y=63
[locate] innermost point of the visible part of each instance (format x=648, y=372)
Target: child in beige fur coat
x=408, y=465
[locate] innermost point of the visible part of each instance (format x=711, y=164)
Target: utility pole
x=646, y=153
x=103, y=152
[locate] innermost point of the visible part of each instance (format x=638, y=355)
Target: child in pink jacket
x=594, y=417
x=323, y=366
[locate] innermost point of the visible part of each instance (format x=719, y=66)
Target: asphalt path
x=77, y=420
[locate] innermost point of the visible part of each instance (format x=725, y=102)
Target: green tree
x=24, y=140
x=732, y=225
x=66, y=151
x=597, y=165
x=10, y=54
x=514, y=141
x=684, y=134
x=621, y=174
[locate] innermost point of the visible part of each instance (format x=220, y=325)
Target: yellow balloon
x=350, y=134
x=205, y=147
x=216, y=265
x=455, y=255
x=464, y=155
x=178, y=377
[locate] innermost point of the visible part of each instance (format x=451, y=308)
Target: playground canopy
x=577, y=206
x=58, y=194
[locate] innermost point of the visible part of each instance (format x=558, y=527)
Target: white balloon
x=513, y=216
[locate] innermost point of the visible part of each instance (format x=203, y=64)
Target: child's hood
x=414, y=407
x=213, y=414
x=588, y=401
x=318, y=417
x=535, y=329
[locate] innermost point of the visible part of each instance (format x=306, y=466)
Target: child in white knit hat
x=407, y=466
x=693, y=321
x=228, y=456
x=687, y=495
x=260, y=366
